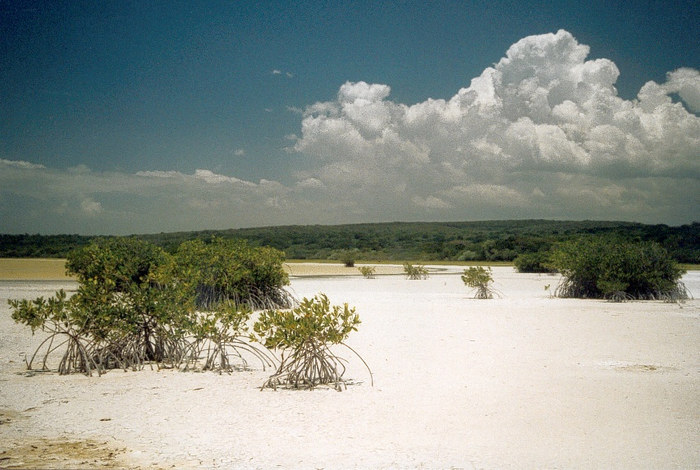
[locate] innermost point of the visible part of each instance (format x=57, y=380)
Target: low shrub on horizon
x=538, y=262
x=348, y=257
x=616, y=269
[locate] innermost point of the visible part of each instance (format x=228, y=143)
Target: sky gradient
x=153, y=116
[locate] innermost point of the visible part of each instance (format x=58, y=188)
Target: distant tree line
x=40, y=246
x=398, y=241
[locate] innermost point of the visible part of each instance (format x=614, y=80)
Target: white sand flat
x=521, y=381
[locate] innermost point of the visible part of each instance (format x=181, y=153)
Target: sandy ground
x=522, y=381
x=50, y=269
x=45, y=269
x=297, y=269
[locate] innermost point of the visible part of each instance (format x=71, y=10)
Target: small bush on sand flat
x=415, y=272
x=218, y=336
x=305, y=334
x=612, y=268
x=367, y=271
x=479, y=278
x=54, y=317
x=347, y=257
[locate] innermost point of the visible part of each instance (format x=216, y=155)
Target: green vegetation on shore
x=618, y=270
x=136, y=304
x=399, y=241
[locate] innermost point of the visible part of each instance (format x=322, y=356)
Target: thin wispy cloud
x=280, y=72
x=19, y=164
x=90, y=207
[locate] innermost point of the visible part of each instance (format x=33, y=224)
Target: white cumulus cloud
x=540, y=117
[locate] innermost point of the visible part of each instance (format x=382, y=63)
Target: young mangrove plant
x=219, y=340
x=415, y=272
x=305, y=335
x=367, y=271
x=56, y=316
x=479, y=278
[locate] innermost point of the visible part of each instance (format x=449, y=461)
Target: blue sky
x=137, y=116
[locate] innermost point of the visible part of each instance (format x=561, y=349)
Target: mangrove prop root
x=310, y=365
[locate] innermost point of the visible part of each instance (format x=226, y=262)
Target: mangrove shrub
x=367, y=271
x=479, y=278
x=126, y=310
x=538, y=262
x=305, y=335
x=609, y=267
x=225, y=270
x=135, y=303
x=415, y=272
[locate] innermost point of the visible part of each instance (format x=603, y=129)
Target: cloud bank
x=541, y=134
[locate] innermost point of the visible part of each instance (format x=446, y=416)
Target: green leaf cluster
x=479, y=278
x=415, y=272
x=313, y=320
x=233, y=270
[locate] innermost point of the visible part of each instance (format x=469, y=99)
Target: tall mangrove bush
x=616, y=269
x=233, y=270
x=135, y=303
x=125, y=312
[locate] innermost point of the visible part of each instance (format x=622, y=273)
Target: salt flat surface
x=520, y=381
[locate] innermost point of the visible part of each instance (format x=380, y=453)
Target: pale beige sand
x=33, y=269
x=54, y=269
x=328, y=269
x=524, y=381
